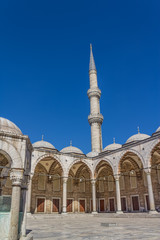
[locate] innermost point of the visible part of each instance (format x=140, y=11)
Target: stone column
x=93, y=182
x=64, y=208
x=29, y=194
x=150, y=192
x=118, y=195
x=25, y=204
x=16, y=176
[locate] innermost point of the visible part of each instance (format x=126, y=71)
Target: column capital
x=116, y=177
x=147, y=171
x=65, y=179
x=93, y=181
x=16, y=176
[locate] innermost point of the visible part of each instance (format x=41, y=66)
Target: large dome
x=158, y=129
x=112, y=146
x=92, y=154
x=9, y=127
x=71, y=149
x=43, y=144
x=137, y=137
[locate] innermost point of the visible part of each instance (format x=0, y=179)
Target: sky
x=44, y=62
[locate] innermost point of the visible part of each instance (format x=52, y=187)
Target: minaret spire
x=95, y=118
x=92, y=65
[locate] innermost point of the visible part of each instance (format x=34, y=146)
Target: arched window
x=158, y=172
x=133, y=179
x=41, y=181
x=110, y=183
x=69, y=184
x=101, y=185
x=145, y=178
x=82, y=184
x=56, y=183
x=122, y=183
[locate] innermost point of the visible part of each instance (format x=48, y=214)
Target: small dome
x=158, y=129
x=9, y=127
x=112, y=146
x=71, y=149
x=43, y=144
x=137, y=137
x=92, y=154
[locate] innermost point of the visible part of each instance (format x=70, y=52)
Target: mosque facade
x=40, y=179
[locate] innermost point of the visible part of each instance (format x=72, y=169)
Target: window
x=82, y=184
x=56, y=183
x=122, y=183
x=101, y=185
x=110, y=183
x=41, y=182
x=69, y=184
x=133, y=179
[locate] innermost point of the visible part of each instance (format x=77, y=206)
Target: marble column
x=64, y=208
x=25, y=205
x=150, y=192
x=118, y=195
x=93, y=182
x=29, y=194
x=16, y=176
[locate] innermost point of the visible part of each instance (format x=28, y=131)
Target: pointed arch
x=100, y=164
x=11, y=153
x=52, y=156
x=128, y=152
x=150, y=151
x=107, y=161
x=79, y=161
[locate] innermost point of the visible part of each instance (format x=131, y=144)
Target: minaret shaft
x=95, y=118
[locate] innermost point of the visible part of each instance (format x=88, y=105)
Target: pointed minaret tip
x=92, y=65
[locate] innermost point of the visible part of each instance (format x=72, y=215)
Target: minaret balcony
x=95, y=118
x=94, y=92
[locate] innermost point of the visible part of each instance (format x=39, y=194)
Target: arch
x=11, y=153
x=124, y=153
x=43, y=157
x=103, y=160
x=79, y=161
x=150, y=151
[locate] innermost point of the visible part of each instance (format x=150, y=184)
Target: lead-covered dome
x=9, y=127
x=71, y=149
x=137, y=137
x=112, y=146
x=43, y=144
x=158, y=129
x=92, y=154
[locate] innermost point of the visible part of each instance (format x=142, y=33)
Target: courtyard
x=88, y=226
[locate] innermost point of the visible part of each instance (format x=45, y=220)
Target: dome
x=158, y=129
x=92, y=154
x=43, y=144
x=137, y=137
x=71, y=149
x=9, y=127
x=112, y=146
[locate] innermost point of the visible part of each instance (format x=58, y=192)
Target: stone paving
x=90, y=227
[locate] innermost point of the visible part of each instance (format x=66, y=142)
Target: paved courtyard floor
x=88, y=226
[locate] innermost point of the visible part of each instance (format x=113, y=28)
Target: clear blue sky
x=44, y=60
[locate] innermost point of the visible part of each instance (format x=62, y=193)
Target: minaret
x=95, y=118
